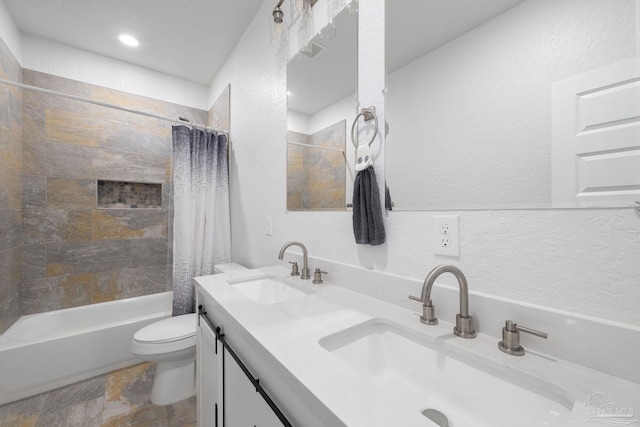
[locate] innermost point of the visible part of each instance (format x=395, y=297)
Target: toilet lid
x=167, y=330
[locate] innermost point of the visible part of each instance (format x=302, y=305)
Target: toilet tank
x=228, y=267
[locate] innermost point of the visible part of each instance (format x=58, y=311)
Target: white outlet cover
x=452, y=224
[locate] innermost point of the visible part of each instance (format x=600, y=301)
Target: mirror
x=518, y=104
x=321, y=103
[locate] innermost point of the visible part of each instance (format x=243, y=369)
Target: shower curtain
x=201, y=221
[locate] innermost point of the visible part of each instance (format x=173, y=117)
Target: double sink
x=446, y=385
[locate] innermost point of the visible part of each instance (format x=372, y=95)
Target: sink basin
x=270, y=289
x=436, y=380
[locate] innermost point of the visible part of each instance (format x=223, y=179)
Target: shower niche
x=129, y=195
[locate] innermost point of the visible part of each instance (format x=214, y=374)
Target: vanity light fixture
x=301, y=14
x=353, y=6
x=278, y=29
x=300, y=9
x=129, y=40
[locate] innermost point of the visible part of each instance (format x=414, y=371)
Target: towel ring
x=368, y=113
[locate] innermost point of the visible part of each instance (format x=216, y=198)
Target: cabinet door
x=244, y=406
x=209, y=367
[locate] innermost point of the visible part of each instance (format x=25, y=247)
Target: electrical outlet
x=446, y=240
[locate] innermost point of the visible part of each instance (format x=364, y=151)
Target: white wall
x=298, y=122
x=53, y=58
x=9, y=32
x=585, y=261
x=485, y=97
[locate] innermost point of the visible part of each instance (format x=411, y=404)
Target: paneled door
x=596, y=137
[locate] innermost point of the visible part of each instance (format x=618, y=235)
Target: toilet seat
x=168, y=338
x=168, y=330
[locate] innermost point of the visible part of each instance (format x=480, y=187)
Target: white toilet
x=172, y=343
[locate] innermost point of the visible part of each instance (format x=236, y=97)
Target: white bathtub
x=44, y=351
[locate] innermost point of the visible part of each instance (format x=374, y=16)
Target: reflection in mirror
x=321, y=100
x=512, y=104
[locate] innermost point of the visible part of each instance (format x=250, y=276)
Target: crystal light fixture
x=278, y=29
x=301, y=9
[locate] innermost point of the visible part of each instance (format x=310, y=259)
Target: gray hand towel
x=368, y=227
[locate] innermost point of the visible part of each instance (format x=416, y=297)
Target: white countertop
x=290, y=332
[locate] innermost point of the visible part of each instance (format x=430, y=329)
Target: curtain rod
x=302, y=144
x=178, y=120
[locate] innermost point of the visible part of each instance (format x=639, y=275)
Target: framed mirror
x=321, y=103
x=512, y=104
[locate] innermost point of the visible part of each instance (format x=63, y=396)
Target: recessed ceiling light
x=129, y=40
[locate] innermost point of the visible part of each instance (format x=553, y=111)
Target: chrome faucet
x=464, y=322
x=305, y=262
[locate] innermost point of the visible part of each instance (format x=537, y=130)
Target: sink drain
x=436, y=416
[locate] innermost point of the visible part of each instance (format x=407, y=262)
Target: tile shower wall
x=75, y=254
x=316, y=178
x=10, y=188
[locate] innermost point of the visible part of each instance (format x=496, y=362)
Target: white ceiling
x=190, y=39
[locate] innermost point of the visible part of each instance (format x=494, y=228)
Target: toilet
x=172, y=343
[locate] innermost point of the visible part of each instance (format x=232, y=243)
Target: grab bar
x=368, y=114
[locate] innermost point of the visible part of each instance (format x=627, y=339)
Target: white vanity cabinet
x=243, y=405
x=227, y=397
x=209, y=380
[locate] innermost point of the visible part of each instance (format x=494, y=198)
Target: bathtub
x=44, y=351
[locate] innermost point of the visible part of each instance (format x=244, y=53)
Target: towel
x=368, y=227
x=388, y=203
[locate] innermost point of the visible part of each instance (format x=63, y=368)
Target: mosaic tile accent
x=117, y=399
x=120, y=194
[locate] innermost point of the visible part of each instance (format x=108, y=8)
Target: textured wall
x=586, y=261
x=10, y=188
x=485, y=99
x=75, y=253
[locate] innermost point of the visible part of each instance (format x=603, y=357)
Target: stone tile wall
x=10, y=188
x=316, y=178
x=74, y=253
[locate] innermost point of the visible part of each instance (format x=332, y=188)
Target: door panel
x=596, y=137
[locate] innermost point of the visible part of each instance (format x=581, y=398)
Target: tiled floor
x=117, y=399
